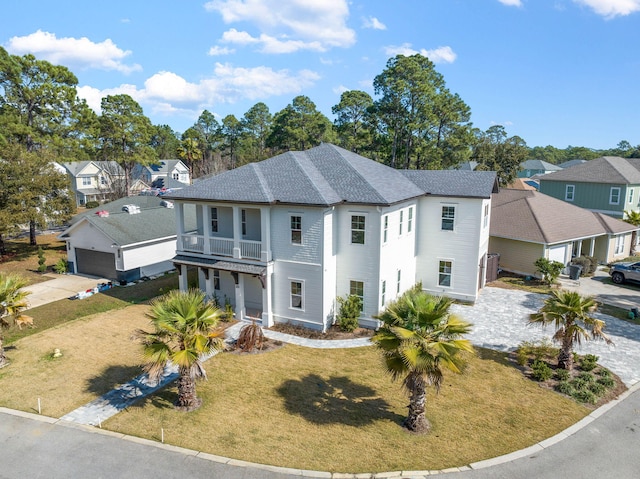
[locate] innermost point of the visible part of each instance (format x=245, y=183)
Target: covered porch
x=246, y=287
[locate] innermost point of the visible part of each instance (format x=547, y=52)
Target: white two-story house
x=283, y=238
x=95, y=180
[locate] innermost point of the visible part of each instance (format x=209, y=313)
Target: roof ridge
x=306, y=165
x=263, y=182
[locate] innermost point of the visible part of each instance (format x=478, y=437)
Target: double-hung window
x=444, y=273
x=614, y=195
x=448, y=217
x=297, y=295
x=401, y=219
x=214, y=220
x=86, y=181
x=630, y=195
x=486, y=215
x=357, y=229
x=296, y=229
x=356, y=288
x=216, y=279
x=384, y=293
x=398, y=282
x=410, y=222
x=569, y=192
x=619, y=244
x=385, y=230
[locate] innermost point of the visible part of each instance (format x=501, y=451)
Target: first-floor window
x=398, y=282
x=619, y=244
x=297, y=297
x=444, y=275
x=216, y=279
x=356, y=288
x=384, y=292
x=630, y=195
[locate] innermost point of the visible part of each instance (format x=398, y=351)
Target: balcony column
x=206, y=228
x=265, y=234
x=179, y=209
x=237, y=231
x=267, y=314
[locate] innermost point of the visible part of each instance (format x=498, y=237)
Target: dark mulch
x=333, y=332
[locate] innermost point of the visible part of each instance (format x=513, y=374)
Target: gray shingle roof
x=328, y=175
x=153, y=221
x=532, y=216
x=539, y=165
x=606, y=169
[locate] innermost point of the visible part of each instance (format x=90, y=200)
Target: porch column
x=579, y=249
x=265, y=234
x=592, y=247
x=267, y=314
x=206, y=277
x=183, y=283
x=206, y=228
x=237, y=232
x=240, y=309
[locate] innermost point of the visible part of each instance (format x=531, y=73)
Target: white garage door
x=558, y=253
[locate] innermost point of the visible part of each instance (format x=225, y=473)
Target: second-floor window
x=103, y=180
x=385, y=230
x=448, y=217
x=175, y=176
x=401, y=219
x=486, y=215
x=356, y=288
x=244, y=222
x=86, y=181
x=569, y=192
x=214, y=220
x=614, y=195
x=296, y=229
x=357, y=229
x=410, y=222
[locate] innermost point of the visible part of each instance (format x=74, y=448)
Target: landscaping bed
x=334, y=332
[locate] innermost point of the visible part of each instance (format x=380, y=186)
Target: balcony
x=221, y=246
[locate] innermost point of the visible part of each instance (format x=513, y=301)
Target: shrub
x=540, y=371
x=562, y=374
x=350, y=308
x=91, y=204
x=549, y=270
x=42, y=267
x=585, y=396
x=564, y=387
x=579, y=384
x=586, y=377
x=607, y=382
x=597, y=389
x=251, y=337
x=605, y=373
x=542, y=349
x=589, y=264
x=589, y=362
x=61, y=266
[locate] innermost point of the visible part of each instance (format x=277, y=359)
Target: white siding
x=329, y=268
x=310, y=251
x=463, y=246
x=311, y=275
x=141, y=256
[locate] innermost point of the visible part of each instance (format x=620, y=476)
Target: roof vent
x=166, y=204
x=131, y=209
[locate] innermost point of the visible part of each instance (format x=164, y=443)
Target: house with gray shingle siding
x=609, y=185
x=281, y=239
x=527, y=225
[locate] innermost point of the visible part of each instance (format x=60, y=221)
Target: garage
x=96, y=263
x=558, y=253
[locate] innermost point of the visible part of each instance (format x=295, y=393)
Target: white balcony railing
x=250, y=249
x=193, y=243
x=221, y=246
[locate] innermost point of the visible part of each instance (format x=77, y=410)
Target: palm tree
x=13, y=300
x=633, y=218
x=570, y=314
x=183, y=332
x=417, y=338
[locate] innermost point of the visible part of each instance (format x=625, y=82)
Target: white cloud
x=167, y=92
x=611, y=8
x=511, y=3
x=218, y=50
x=340, y=89
x=438, y=55
x=373, y=22
x=287, y=26
x=78, y=52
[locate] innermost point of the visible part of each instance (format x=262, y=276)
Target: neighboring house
x=531, y=168
x=164, y=174
x=570, y=163
x=527, y=225
x=466, y=166
x=524, y=184
x=124, y=245
x=609, y=185
x=283, y=238
x=95, y=180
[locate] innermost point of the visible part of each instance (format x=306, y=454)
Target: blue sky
x=555, y=72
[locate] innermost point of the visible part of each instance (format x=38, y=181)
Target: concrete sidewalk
x=60, y=286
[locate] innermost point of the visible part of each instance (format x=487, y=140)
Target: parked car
x=621, y=272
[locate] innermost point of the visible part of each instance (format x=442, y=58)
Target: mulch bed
x=333, y=332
